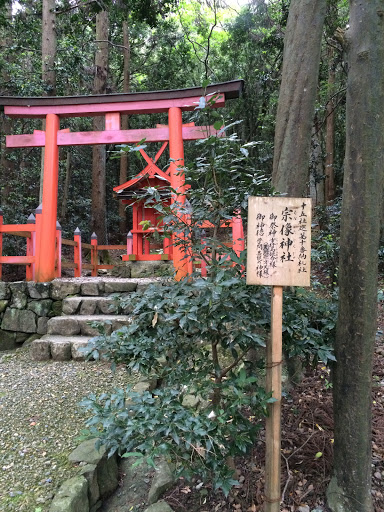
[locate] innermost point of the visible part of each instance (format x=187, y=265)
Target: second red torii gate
x=112, y=107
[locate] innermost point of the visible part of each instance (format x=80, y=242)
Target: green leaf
x=132, y=454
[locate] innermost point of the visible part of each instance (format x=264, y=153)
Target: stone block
x=89, y=473
x=119, y=323
x=5, y=292
x=162, y=481
x=21, y=337
x=40, y=350
x=88, y=307
x=60, y=350
x=57, y=308
x=42, y=325
x=41, y=307
x=72, y=496
x=160, y=506
x=87, y=452
x=76, y=352
x=92, y=288
x=64, y=325
x=71, y=305
x=61, y=289
x=39, y=290
x=120, y=286
x=3, y=305
x=19, y=295
x=7, y=340
x=123, y=270
x=150, y=269
x=108, y=306
x=19, y=320
x=88, y=330
x=30, y=338
x=107, y=475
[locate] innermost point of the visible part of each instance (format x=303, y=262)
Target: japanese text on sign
x=279, y=241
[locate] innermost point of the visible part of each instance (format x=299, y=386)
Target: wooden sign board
x=279, y=241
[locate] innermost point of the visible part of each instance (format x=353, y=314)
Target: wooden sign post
x=279, y=254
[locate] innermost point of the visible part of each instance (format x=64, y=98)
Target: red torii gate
x=111, y=106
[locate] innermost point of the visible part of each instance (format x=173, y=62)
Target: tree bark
x=350, y=487
x=67, y=182
x=99, y=205
x=297, y=96
x=330, y=133
x=124, y=161
x=48, y=47
x=6, y=123
x=48, y=56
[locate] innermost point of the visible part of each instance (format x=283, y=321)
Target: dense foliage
x=201, y=337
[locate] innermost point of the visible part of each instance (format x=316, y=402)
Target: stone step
x=59, y=348
x=97, y=286
x=91, y=305
x=71, y=325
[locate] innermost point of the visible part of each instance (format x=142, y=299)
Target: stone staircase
x=94, y=301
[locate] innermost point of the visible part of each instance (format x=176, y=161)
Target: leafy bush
x=309, y=323
x=196, y=336
x=193, y=336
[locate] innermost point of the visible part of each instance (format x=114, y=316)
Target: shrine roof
x=155, y=101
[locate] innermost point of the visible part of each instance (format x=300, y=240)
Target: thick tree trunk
x=48, y=47
x=330, y=134
x=67, y=182
x=350, y=487
x=297, y=96
x=124, y=161
x=7, y=166
x=99, y=205
x=48, y=56
x=316, y=179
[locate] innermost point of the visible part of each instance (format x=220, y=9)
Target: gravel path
x=40, y=421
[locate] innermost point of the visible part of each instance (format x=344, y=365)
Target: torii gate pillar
x=182, y=260
x=45, y=263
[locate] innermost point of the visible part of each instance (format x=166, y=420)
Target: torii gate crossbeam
x=111, y=106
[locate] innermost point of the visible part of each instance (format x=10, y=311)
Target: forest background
x=76, y=48
x=69, y=48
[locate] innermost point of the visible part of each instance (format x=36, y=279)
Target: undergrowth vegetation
x=201, y=339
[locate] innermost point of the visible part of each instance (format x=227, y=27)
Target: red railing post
x=129, y=243
x=30, y=269
x=237, y=234
x=77, y=252
x=58, y=249
x=1, y=242
x=94, y=254
x=38, y=213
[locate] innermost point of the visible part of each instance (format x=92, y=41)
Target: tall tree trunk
x=67, y=182
x=316, y=178
x=350, y=487
x=330, y=133
x=99, y=206
x=297, y=96
x=48, y=56
x=124, y=161
x=7, y=166
x=48, y=47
